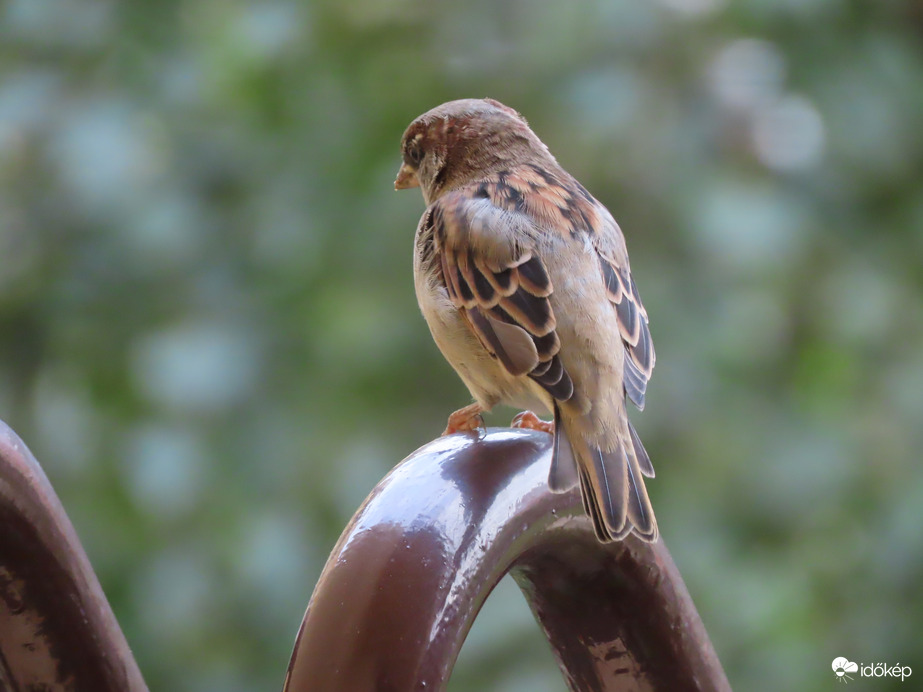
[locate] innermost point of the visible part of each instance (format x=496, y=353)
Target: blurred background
x=209, y=337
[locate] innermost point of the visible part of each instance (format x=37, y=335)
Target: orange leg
x=465, y=419
x=530, y=421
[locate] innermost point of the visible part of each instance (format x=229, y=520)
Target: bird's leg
x=530, y=421
x=465, y=419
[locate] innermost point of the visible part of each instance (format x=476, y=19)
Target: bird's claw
x=465, y=420
x=530, y=421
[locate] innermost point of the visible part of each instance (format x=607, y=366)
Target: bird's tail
x=611, y=479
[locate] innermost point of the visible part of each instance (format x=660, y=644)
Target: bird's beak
x=406, y=178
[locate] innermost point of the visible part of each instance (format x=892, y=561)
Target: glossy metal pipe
x=404, y=583
x=57, y=631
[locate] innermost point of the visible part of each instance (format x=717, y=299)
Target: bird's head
x=460, y=142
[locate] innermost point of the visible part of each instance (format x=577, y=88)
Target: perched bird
x=523, y=279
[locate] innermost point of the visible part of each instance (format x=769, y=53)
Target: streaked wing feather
x=502, y=288
x=633, y=326
x=512, y=345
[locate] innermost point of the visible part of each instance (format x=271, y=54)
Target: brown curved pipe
x=57, y=631
x=401, y=588
x=413, y=567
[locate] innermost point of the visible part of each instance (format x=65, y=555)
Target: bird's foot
x=530, y=421
x=465, y=419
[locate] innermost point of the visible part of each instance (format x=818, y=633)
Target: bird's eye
x=414, y=154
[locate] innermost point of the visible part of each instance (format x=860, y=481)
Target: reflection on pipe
x=404, y=583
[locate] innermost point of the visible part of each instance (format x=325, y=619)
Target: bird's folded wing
x=494, y=275
x=633, y=327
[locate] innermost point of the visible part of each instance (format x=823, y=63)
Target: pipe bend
x=57, y=631
x=410, y=572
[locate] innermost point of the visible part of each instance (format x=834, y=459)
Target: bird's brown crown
x=461, y=141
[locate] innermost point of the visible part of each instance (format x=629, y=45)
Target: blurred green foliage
x=208, y=333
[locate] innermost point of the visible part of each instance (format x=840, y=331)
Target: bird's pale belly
x=490, y=384
x=486, y=378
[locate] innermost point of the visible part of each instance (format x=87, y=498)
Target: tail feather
x=563, y=475
x=644, y=461
x=611, y=481
x=640, y=513
x=591, y=507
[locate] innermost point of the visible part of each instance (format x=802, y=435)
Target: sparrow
x=523, y=279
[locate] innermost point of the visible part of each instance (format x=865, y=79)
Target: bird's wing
x=493, y=273
x=633, y=325
x=556, y=201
